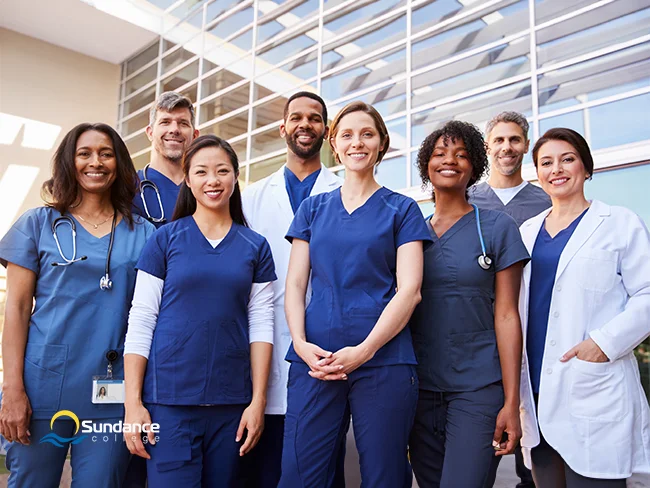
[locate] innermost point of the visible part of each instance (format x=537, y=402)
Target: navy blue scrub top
x=74, y=323
x=200, y=352
x=453, y=327
x=168, y=195
x=530, y=201
x=353, y=261
x=545, y=258
x=296, y=189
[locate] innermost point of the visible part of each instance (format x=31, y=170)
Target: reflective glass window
x=596, y=78
x=175, y=59
x=141, y=161
x=217, y=8
x=138, y=143
x=388, y=100
x=229, y=128
x=621, y=122
x=182, y=77
x=236, y=29
x=262, y=169
x=140, y=80
x=391, y=173
x=225, y=103
x=136, y=123
x=572, y=120
x=189, y=6
x=266, y=142
x=240, y=149
x=181, y=31
x=268, y=112
x=339, y=20
x=142, y=59
x=397, y=133
x=293, y=76
x=139, y=101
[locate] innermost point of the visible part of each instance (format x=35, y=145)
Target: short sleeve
x=301, y=226
x=265, y=267
x=508, y=247
x=153, y=259
x=20, y=244
x=412, y=226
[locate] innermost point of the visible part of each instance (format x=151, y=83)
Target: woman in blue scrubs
x=362, y=244
x=466, y=331
x=52, y=352
x=199, y=345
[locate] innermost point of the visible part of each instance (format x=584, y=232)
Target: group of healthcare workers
x=262, y=324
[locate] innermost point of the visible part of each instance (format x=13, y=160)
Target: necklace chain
x=95, y=226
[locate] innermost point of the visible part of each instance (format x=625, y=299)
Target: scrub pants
x=197, y=446
x=262, y=467
x=451, y=440
x=382, y=403
x=524, y=474
x=99, y=460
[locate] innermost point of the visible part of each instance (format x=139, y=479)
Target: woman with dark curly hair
x=466, y=331
x=70, y=280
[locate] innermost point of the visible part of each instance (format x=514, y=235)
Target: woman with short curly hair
x=466, y=331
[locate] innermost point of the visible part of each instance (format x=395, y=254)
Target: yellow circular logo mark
x=65, y=413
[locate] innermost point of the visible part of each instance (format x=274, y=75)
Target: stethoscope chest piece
x=484, y=262
x=105, y=283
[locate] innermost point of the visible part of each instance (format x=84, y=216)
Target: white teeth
x=448, y=172
x=559, y=181
x=94, y=175
x=357, y=155
x=304, y=138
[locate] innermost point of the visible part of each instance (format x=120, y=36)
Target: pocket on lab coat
x=598, y=390
x=597, y=269
x=43, y=375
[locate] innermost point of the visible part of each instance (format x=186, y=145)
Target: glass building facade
x=582, y=64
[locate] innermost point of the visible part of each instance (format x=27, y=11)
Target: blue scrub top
x=200, y=352
x=453, y=326
x=530, y=201
x=353, y=262
x=168, y=195
x=545, y=258
x=296, y=189
x=74, y=323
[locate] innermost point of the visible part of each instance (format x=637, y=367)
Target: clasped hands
x=332, y=366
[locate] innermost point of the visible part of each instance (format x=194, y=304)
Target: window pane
x=145, y=57
x=136, y=123
x=142, y=160
x=263, y=169
x=573, y=120
x=175, y=59
x=226, y=103
x=188, y=6
x=477, y=71
x=267, y=142
x=292, y=76
x=269, y=112
x=391, y=173
x=229, y=128
x=397, y=133
x=215, y=9
x=341, y=20
x=371, y=72
x=594, y=30
x=181, y=32
x=388, y=100
x=240, y=149
x=621, y=122
x=138, y=143
x=140, y=100
x=138, y=81
x=182, y=77
x=596, y=78
x=233, y=28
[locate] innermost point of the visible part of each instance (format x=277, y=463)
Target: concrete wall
x=45, y=83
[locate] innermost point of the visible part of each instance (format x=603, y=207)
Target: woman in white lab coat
x=585, y=306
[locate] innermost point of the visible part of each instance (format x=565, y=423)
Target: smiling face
x=211, y=178
x=357, y=142
x=95, y=162
x=304, y=128
x=507, y=145
x=449, y=166
x=172, y=133
x=560, y=171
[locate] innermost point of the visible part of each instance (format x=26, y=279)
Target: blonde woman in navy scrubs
x=466, y=331
x=362, y=244
x=198, y=349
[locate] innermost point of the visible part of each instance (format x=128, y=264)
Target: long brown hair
x=366, y=108
x=62, y=190
x=186, y=202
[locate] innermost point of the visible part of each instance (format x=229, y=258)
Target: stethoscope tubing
x=147, y=183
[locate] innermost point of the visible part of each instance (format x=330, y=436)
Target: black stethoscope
x=484, y=261
x=147, y=183
x=105, y=283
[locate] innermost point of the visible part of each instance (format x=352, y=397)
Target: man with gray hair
x=170, y=130
x=507, y=143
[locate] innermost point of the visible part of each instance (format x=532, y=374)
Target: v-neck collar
x=85, y=232
x=459, y=224
x=163, y=176
x=569, y=228
x=205, y=244
x=363, y=208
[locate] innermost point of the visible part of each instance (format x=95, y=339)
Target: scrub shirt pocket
x=598, y=390
x=235, y=380
x=474, y=351
x=182, y=359
x=43, y=375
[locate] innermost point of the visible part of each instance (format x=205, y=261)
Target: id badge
x=107, y=390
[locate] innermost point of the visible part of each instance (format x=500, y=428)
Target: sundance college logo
x=97, y=431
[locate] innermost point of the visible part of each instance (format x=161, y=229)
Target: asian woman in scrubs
x=198, y=349
x=585, y=306
x=466, y=331
x=363, y=245
x=52, y=351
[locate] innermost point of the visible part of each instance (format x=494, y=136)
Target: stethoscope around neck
x=147, y=183
x=484, y=261
x=105, y=282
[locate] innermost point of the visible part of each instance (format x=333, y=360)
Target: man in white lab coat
x=269, y=207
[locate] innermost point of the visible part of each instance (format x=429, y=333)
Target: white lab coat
x=595, y=415
x=268, y=211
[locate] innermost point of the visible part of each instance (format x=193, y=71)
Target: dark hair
x=62, y=190
x=455, y=130
x=186, y=203
x=380, y=125
x=305, y=94
x=572, y=137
